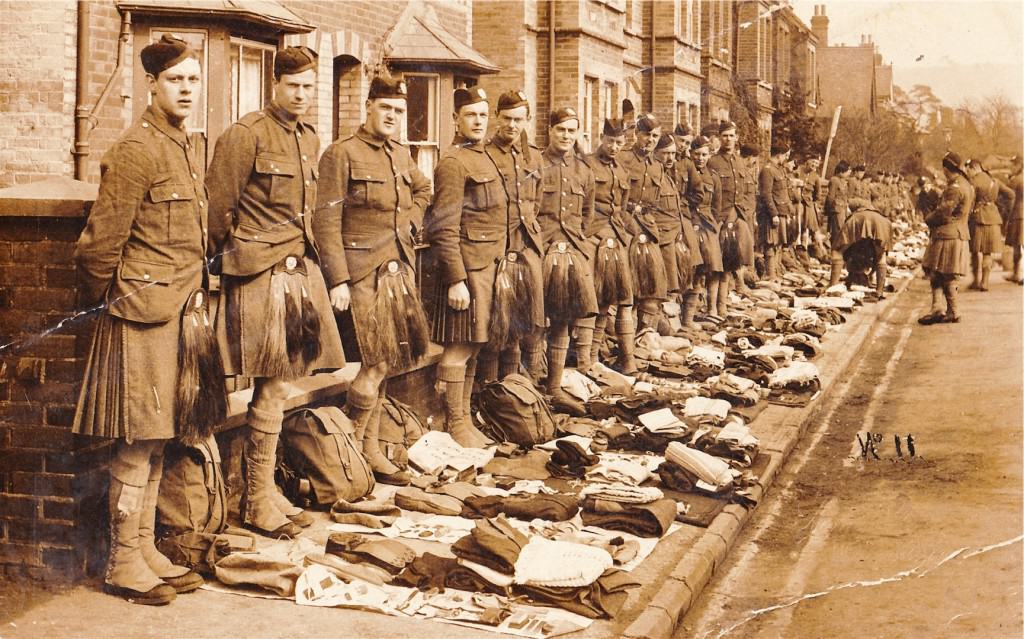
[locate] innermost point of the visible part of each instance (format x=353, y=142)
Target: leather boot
x=626, y=334
x=741, y=281
x=935, y=314
x=600, y=322
x=463, y=432
x=383, y=469
x=689, y=311
x=128, y=574
x=950, y=288
x=582, y=344
x=180, y=578
x=259, y=453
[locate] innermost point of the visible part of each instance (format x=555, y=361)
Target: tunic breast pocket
x=405, y=191
x=365, y=184
x=481, y=191
x=178, y=203
x=277, y=173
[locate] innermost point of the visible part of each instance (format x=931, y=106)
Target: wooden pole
x=831, y=136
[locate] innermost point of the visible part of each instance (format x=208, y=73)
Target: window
x=693, y=116
x=421, y=122
x=608, y=100
x=252, y=73
x=196, y=39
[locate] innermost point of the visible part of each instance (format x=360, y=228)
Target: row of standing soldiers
x=534, y=251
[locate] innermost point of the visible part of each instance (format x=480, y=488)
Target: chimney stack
x=819, y=25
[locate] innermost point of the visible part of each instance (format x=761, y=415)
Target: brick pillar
x=50, y=485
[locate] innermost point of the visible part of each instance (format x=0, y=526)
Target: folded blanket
x=494, y=543
x=602, y=599
x=642, y=520
x=526, y=507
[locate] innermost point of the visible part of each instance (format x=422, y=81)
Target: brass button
x=304, y=158
x=174, y=195
x=307, y=182
x=392, y=266
x=195, y=177
x=145, y=125
x=201, y=204
x=145, y=276
x=290, y=262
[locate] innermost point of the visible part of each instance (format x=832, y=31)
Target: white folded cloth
x=700, y=406
x=707, y=468
x=707, y=356
x=796, y=372
x=543, y=562
x=623, y=493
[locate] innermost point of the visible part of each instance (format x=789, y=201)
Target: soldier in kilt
x=153, y=372
x=566, y=208
x=371, y=197
x=468, y=231
x=1015, y=221
x=774, y=211
x=520, y=326
x=985, y=223
x=948, y=252
x=609, y=240
x=737, y=236
x=837, y=207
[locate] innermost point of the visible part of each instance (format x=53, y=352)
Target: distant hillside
x=953, y=84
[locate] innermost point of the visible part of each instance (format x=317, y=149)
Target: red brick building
x=853, y=76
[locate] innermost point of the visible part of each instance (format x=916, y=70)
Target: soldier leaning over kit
x=371, y=196
x=142, y=256
x=275, y=322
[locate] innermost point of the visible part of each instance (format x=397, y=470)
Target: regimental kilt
x=986, y=238
x=835, y=229
x=130, y=382
x=947, y=256
x=668, y=236
x=769, y=235
x=613, y=278
x=690, y=258
x=865, y=225
x=249, y=319
x=710, y=249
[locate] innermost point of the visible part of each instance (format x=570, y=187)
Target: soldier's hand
x=775, y=220
x=458, y=296
x=341, y=298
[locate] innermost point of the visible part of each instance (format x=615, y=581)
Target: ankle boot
x=257, y=504
x=180, y=578
x=462, y=431
x=384, y=470
x=128, y=574
x=949, y=289
x=583, y=343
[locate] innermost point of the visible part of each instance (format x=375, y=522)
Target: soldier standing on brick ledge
x=518, y=164
x=774, y=210
x=566, y=208
x=737, y=221
x=142, y=257
x=371, y=196
x=275, y=322
x=468, y=230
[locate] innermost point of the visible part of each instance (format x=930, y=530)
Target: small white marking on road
x=880, y=390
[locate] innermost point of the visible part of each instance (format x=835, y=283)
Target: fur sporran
x=648, y=268
x=611, y=274
x=291, y=339
x=564, y=282
x=396, y=327
x=684, y=264
x=201, y=398
x=729, y=239
x=512, y=305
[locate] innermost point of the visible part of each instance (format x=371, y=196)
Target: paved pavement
x=923, y=547
x=672, y=577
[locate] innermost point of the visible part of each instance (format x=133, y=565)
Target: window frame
x=434, y=121
x=267, y=83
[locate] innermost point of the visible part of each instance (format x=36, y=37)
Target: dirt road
x=928, y=546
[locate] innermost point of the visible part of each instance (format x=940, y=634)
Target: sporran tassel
x=684, y=264
x=730, y=242
x=648, y=268
x=512, y=303
x=563, y=284
x=398, y=333
x=201, y=398
x=611, y=275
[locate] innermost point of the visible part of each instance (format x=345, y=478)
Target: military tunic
x=608, y=225
x=985, y=221
x=732, y=173
x=948, y=251
x=644, y=191
x=370, y=197
x=521, y=172
x=704, y=197
x=775, y=201
x=141, y=255
x=566, y=208
x=837, y=207
x=468, y=230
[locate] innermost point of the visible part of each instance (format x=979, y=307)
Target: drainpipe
x=653, y=43
x=85, y=120
x=551, y=55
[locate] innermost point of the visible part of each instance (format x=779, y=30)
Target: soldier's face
x=471, y=121
x=700, y=156
x=563, y=135
x=612, y=144
x=813, y=165
x=666, y=155
x=176, y=90
x=384, y=116
x=647, y=140
x=294, y=93
x=729, y=139
x=511, y=123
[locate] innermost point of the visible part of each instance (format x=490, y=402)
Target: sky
x=963, y=50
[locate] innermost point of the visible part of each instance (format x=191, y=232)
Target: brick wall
x=47, y=490
x=845, y=76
